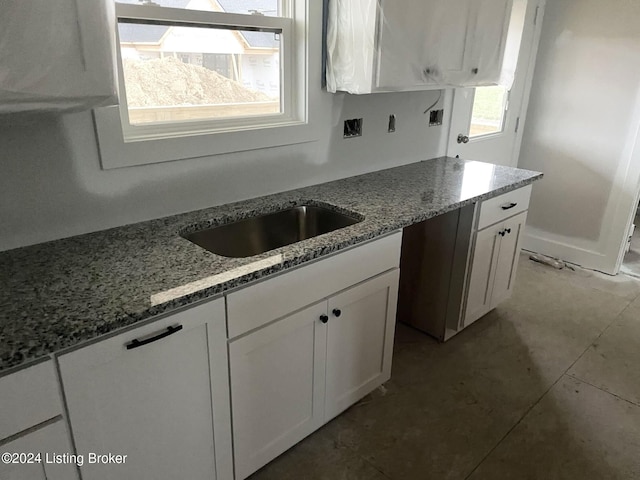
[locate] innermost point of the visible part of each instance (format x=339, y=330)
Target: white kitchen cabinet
x=277, y=387
x=384, y=45
x=45, y=448
x=494, y=265
x=458, y=266
x=420, y=44
x=495, y=253
x=256, y=305
x=28, y=397
x=507, y=263
x=56, y=56
x=31, y=422
x=293, y=371
x=158, y=394
x=297, y=373
x=485, y=256
x=360, y=341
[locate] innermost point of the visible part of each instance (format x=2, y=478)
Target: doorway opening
x=631, y=260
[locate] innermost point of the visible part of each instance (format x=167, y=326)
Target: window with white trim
x=202, y=67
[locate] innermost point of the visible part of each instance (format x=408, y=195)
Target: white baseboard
x=538, y=242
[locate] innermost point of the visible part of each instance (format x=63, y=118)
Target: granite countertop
x=59, y=294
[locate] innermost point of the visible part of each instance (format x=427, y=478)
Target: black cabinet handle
x=508, y=230
x=135, y=343
x=324, y=318
x=509, y=205
x=501, y=233
x=337, y=312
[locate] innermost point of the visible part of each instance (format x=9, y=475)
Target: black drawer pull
x=135, y=343
x=509, y=205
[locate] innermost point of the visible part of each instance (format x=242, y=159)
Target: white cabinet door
x=277, y=387
x=421, y=43
x=415, y=45
x=56, y=55
x=485, y=256
x=28, y=397
x=487, y=29
x=152, y=402
x=458, y=42
x=494, y=265
x=45, y=442
x=507, y=262
x=360, y=341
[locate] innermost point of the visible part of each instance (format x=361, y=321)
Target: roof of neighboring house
x=162, y=3
x=132, y=33
x=268, y=7
x=135, y=34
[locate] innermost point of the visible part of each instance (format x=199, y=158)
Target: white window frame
x=122, y=144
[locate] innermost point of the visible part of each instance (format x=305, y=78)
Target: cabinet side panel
x=426, y=262
x=460, y=269
x=220, y=390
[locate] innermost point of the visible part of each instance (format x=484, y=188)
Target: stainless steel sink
x=255, y=235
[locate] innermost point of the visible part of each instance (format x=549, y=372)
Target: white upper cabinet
x=385, y=45
x=56, y=55
x=422, y=45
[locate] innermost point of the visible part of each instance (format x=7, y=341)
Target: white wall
x=581, y=130
x=52, y=185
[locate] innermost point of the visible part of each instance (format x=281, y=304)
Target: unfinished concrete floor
x=547, y=386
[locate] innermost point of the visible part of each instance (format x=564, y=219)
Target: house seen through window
x=185, y=61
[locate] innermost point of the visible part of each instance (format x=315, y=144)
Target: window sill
x=115, y=152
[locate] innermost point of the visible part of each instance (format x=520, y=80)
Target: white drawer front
x=504, y=206
x=273, y=298
x=28, y=397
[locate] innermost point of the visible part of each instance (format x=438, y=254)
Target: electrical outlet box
x=435, y=117
x=353, y=128
x=392, y=124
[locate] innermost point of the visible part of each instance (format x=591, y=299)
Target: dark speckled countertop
x=62, y=293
